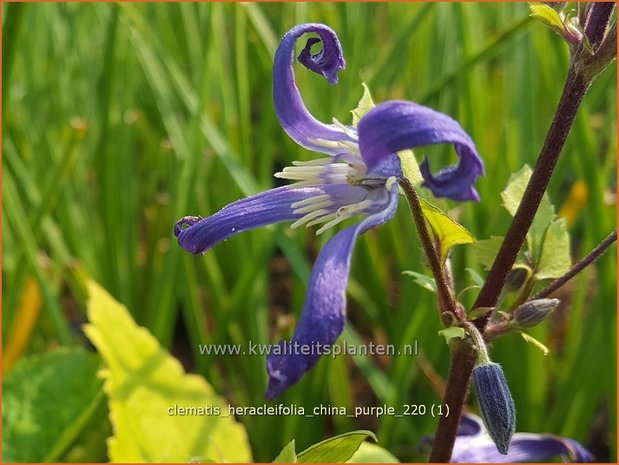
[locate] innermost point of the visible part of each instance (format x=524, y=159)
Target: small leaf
x=453, y=332
x=371, y=453
x=145, y=386
x=545, y=213
x=337, y=449
x=365, y=104
x=410, y=167
x=535, y=342
x=287, y=455
x=547, y=15
x=32, y=422
x=486, y=250
x=448, y=232
x=424, y=281
x=475, y=277
x=555, y=258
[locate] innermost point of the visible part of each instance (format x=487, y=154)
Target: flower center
x=351, y=191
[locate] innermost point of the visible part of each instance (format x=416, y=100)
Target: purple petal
x=298, y=123
x=525, y=447
x=268, y=207
x=397, y=125
x=470, y=425
x=323, y=316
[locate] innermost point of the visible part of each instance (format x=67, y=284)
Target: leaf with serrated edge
x=143, y=381
x=337, y=449
x=448, y=232
x=555, y=259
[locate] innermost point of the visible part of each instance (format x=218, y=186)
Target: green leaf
x=547, y=15
x=448, y=232
x=424, y=281
x=410, y=167
x=453, y=332
x=287, y=455
x=545, y=213
x=535, y=342
x=486, y=250
x=365, y=104
x=46, y=401
x=144, y=384
x=337, y=449
x=371, y=453
x=475, y=276
x=555, y=258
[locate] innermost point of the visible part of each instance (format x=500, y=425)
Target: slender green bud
x=533, y=313
x=495, y=404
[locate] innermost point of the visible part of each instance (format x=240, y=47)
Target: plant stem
x=578, y=267
x=597, y=21
x=463, y=357
x=574, y=90
x=444, y=293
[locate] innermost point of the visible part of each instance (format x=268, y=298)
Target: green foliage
x=365, y=104
x=555, y=259
x=486, y=250
x=372, y=453
x=447, y=232
x=46, y=401
x=337, y=449
x=287, y=455
x=452, y=332
x=545, y=213
x=144, y=383
x=424, y=281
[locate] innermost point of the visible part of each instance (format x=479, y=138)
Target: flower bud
x=533, y=312
x=495, y=404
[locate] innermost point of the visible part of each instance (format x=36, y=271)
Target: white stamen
x=345, y=129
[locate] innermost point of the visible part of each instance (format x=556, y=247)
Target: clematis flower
x=474, y=445
x=357, y=178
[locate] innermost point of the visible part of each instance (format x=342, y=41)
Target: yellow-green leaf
x=365, y=104
x=371, y=453
x=452, y=332
x=547, y=15
x=555, y=259
x=487, y=249
x=545, y=212
x=337, y=449
x=287, y=455
x=448, y=232
x=410, y=167
x=535, y=342
x=146, y=386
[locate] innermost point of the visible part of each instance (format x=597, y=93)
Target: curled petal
x=323, y=316
x=197, y=235
x=397, y=125
x=298, y=123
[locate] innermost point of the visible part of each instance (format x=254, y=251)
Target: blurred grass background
x=121, y=118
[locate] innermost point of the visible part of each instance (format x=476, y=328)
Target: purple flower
x=357, y=178
x=474, y=445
